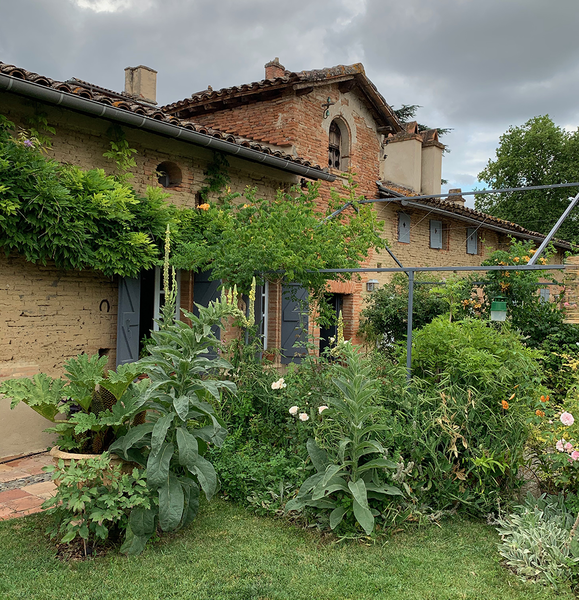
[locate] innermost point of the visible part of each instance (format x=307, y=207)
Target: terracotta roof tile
x=126, y=102
x=290, y=78
x=459, y=210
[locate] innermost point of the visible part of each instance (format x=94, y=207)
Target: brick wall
x=50, y=315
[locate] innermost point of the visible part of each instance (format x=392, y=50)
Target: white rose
x=276, y=385
x=303, y=417
x=321, y=409
x=293, y=410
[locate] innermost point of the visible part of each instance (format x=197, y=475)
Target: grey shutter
x=205, y=291
x=471, y=241
x=403, y=228
x=436, y=234
x=544, y=294
x=294, y=323
x=128, y=320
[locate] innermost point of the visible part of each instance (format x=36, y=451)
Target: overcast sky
x=476, y=66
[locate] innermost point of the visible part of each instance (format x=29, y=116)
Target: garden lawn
x=229, y=554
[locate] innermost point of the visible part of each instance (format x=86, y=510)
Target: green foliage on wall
x=78, y=219
x=245, y=235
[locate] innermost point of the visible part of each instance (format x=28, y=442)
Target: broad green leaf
x=376, y=464
x=336, y=516
x=191, y=508
x=296, y=504
x=171, y=503
x=133, y=436
x=358, y=489
x=364, y=517
x=42, y=393
x=309, y=484
x=188, y=448
x=118, y=381
x=158, y=467
x=142, y=521
x=181, y=405
x=331, y=470
x=133, y=544
x=319, y=457
x=160, y=431
x=206, y=475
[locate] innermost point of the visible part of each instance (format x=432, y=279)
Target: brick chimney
x=274, y=69
x=141, y=83
x=456, y=196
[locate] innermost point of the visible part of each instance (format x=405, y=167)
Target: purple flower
x=28, y=143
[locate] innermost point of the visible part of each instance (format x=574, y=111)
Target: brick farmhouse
x=274, y=133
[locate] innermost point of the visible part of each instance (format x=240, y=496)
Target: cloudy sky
x=476, y=66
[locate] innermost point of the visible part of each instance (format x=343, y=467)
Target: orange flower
x=544, y=399
x=204, y=206
x=505, y=404
x=512, y=397
x=539, y=413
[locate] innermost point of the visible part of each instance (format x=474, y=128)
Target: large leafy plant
x=181, y=423
x=93, y=500
x=351, y=467
x=88, y=398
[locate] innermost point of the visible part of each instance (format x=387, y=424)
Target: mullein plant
x=181, y=424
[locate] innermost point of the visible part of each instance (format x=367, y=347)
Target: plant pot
x=58, y=454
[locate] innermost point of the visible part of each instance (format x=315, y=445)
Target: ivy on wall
x=87, y=219
x=78, y=219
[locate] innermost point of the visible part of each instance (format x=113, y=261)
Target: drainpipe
x=49, y=95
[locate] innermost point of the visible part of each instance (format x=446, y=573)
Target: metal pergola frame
x=410, y=271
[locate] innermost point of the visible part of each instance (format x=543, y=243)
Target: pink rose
x=575, y=455
x=560, y=445
x=568, y=447
x=304, y=417
x=567, y=418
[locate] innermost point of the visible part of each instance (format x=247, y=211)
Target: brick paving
x=23, y=485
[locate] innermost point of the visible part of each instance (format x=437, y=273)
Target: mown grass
x=229, y=554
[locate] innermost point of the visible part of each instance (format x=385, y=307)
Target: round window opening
x=169, y=174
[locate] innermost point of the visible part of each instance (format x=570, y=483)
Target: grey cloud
x=476, y=66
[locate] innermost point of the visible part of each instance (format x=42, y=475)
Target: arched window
x=338, y=149
x=169, y=174
x=335, y=143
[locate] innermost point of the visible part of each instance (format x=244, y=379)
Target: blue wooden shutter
x=471, y=241
x=128, y=320
x=205, y=291
x=294, y=323
x=436, y=234
x=403, y=228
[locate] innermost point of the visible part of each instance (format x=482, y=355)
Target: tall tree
x=536, y=153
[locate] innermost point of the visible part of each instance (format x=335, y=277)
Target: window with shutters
x=471, y=240
x=436, y=234
x=403, y=228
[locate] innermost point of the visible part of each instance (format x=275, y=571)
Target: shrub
x=474, y=355
x=537, y=541
x=351, y=479
x=93, y=500
x=385, y=316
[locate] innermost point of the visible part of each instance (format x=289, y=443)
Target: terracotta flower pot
x=58, y=454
